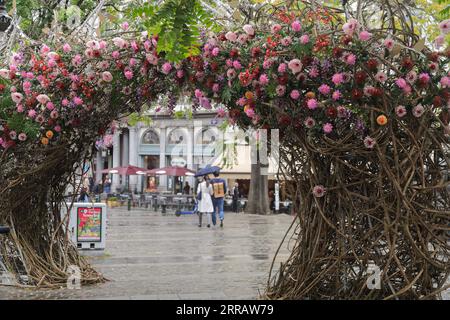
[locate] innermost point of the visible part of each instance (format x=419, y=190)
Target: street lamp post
x=5, y=19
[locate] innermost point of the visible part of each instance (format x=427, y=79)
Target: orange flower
x=49, y=134
x=382, y=120
x=310, y=95
x=44, y=141
x=246, y=107
x=249, y=95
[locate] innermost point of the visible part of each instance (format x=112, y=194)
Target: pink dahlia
x=400, y=111
x=295, y=65
x=418, y=111
x=319, y=191
x=296, y=26
x=312, y=104
x=327, y=127
x=369, y=142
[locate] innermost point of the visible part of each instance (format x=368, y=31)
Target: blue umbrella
x=207, y=170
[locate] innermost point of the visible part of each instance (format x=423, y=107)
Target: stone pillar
x=162, y=155
x=116, y=161
x=99, y=167
x=125, y=154
x=133, y=156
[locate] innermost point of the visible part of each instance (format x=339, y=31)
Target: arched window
x=206, y=136
x=150, y=137
x=176, y=136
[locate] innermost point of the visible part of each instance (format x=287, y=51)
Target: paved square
x=151, y=256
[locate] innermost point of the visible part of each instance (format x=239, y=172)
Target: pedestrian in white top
x=205, y=205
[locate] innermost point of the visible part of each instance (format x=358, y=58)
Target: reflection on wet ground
x=150, y=256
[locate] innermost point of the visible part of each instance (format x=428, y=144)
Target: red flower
x=234, y=53
x=357, y=94
x=360, y=77
x=2, y=87
x=255, y=52
x=372, y=64
x=433, y=56
x=284, y=120
x=331, y=112
x=283, y=79
x=437, y=101
x=407, y=63
x=306, y=61
x=337, y=52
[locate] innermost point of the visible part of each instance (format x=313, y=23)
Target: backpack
x=219, y=189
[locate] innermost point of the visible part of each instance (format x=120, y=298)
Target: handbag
x=199, y=196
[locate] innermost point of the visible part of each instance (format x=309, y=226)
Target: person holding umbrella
x=205, y=204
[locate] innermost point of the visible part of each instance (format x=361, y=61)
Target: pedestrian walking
x=205, y=205
x=219, y=189
x=84, y=197
x=107, y=186
x=236, y=195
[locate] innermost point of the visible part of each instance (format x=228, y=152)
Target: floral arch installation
x=363, y=120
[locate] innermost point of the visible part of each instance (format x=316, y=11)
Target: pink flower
x=312, y=104
x=275, y=28
x=281, y=90
x=250, y=112
x=20, y=108
x=263, y=79
x=286, y=41
x=125, y=26
x=248, y=28
x=215, y=87
x=180, y=74
x=282, y=68
x=313, y=72
x=241, y=102
x=132, y=62
x=400, y=111
x=13, y=135
x=17, y=97
x=166, y=67
x=336, y=95
x=324, y=89
x=439, y=41
x=309, y=122
x=221, y=112
x=418, y=111
x=327, y=127
x=445, y=82
x=76, y=61
x=31, y=113
x=57, y=128
x=50, y=106
x=152, y=59
x=267, y=64
x=411, y=77
x=342, y=112
x=237, y=65
x=337, y=79
x=107, y=76
x=119, y=42
x=381, y=76
x=116, y=54
x=45, y=49
x=198, y=93
x=26, y=85
x=204, y=102
x=5, y=73
x=389, y=43
x=401, y=83
x=445, y=26
x=215, y=51
x=350, y=27
x=231, y=74
x=231, y=36
x=78, y=101
x=364, y=35
x=296, y=26
x=295, y=94
x=369, y=142
x=54, y=114
x=350, y=59
x=128, y=74
x=65, y=102
x=22, y=136
x=295, y=65
x=67, y=47
x=319, y=191
x=304, y=39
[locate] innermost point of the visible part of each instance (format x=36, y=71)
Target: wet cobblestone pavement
x=151, y=256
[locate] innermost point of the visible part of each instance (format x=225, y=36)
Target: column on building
x=133, y=156
x=190, y=152
x=116, y=160
x=125, y=153
x=162, y=155
x=99, y=167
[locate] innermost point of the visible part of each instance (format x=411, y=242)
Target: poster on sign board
x=89, y=224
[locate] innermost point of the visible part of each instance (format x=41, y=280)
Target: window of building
x=150, y=137
x=176, y=136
